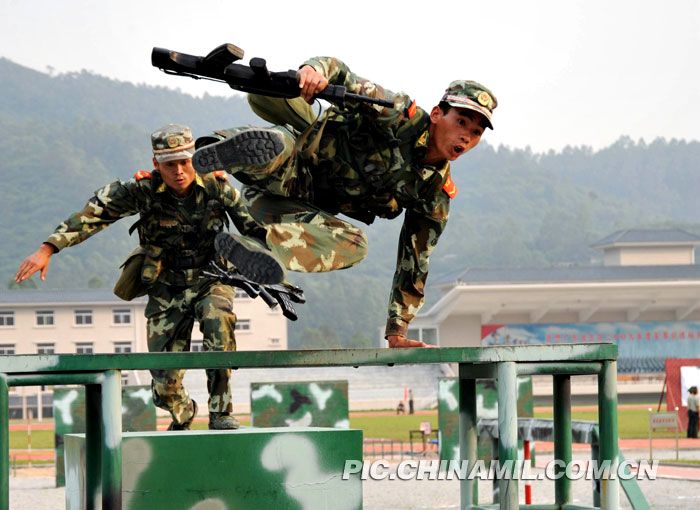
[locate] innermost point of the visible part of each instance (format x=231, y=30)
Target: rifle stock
x=255, y=78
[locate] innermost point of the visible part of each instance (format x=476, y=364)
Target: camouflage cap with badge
x=172, y=142
x=473, y=96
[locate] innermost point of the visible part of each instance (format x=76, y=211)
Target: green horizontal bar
x=540, y=506
x=54, y=379
x=563, y=368
x=17, y=364
x=578, y=507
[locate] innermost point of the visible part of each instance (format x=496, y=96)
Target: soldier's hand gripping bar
x=254, y=78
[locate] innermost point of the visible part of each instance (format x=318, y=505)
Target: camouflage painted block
x=301, y=403
x=247, y=469
x=138, y=414
x=486, y=407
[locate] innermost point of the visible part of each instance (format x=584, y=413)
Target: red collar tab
x=411, y=110
x=221, y=175
x=142, y=174
x=450, y=187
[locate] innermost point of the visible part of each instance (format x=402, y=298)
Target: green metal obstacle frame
x=101, y=376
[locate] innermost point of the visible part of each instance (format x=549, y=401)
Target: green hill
x=61, y=137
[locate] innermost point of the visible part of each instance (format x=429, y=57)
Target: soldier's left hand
x=37, y=261
x=311, y=82
x=400, y=342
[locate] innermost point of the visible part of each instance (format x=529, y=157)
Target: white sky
x=567, y=72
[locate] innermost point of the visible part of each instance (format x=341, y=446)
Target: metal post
x=468, y=436
x=562, y=437
x=595, y=456
x=4, y=443
x=508, y=433
x=93, y=445
x=527, y=461
x=495, y=489
x=112, y=441
x=607, y=415
x=677, y=428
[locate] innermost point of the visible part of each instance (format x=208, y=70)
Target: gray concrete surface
x=38, y=492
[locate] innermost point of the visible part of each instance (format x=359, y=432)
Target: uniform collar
x=425, y=172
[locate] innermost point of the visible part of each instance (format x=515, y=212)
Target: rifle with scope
x=255, y=78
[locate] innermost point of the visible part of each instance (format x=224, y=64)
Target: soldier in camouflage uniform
x=181, y=213
x=359, y=160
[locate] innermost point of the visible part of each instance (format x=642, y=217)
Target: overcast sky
x=569, y=72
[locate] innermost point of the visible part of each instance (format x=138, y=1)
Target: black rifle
x=254, y=78
x=283, y=294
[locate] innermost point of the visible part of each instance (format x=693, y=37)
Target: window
x=243, y=325
x=83, y=317
x=121, y=316
x=44, y=317
x=122, y=347
x=196, y=346
x=7, y=319
x=274, y=342
x=6, y=349
x=46, y=348
x=427, y=335
x=125, y=378
x=84, y=348
x=241, y=294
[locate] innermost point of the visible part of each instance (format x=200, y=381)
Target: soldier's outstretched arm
x=336, y=72
x=37, y=261
x=110, y=203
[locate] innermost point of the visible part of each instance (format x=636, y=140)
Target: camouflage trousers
x=303, y=237
x=171, y=312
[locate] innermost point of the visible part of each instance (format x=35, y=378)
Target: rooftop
x=648, y=237
x=588, y=274
x=83, y=296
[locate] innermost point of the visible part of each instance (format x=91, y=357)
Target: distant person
x=181, y=214
x=693, y=404
x=410, y=402
x=400, y=409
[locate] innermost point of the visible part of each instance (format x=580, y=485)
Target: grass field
x=632, y=424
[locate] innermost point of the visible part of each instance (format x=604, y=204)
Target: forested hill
x=62, y=137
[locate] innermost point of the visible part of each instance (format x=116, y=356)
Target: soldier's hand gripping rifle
x=254, y=78
x=283, y=294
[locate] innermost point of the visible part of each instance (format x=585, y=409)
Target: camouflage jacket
x=369, y=163
x=181, y=230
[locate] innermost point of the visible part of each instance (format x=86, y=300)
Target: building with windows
x=645, y=297
x=96, y=321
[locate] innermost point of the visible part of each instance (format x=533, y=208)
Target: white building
x=96, y=321
x=645, y=297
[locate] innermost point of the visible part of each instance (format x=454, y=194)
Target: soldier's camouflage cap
x=473, y=96
x=171, y=142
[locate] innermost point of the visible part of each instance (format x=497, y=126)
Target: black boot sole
x=257, y=266
x=252, y=147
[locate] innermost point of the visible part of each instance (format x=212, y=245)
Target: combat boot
x=251, y=147
x=251, y=258
x=186, y=424
x=223, y=421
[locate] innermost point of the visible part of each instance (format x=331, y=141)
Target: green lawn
x=41, y=439
x=632, y=423
x=392, y=426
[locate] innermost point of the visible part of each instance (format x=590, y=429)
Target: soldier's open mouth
x=458, y=149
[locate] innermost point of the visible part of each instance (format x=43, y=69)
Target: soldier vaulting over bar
x=362, y=160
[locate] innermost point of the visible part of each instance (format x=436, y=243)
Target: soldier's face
x=178, y=175
x=453, y=133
